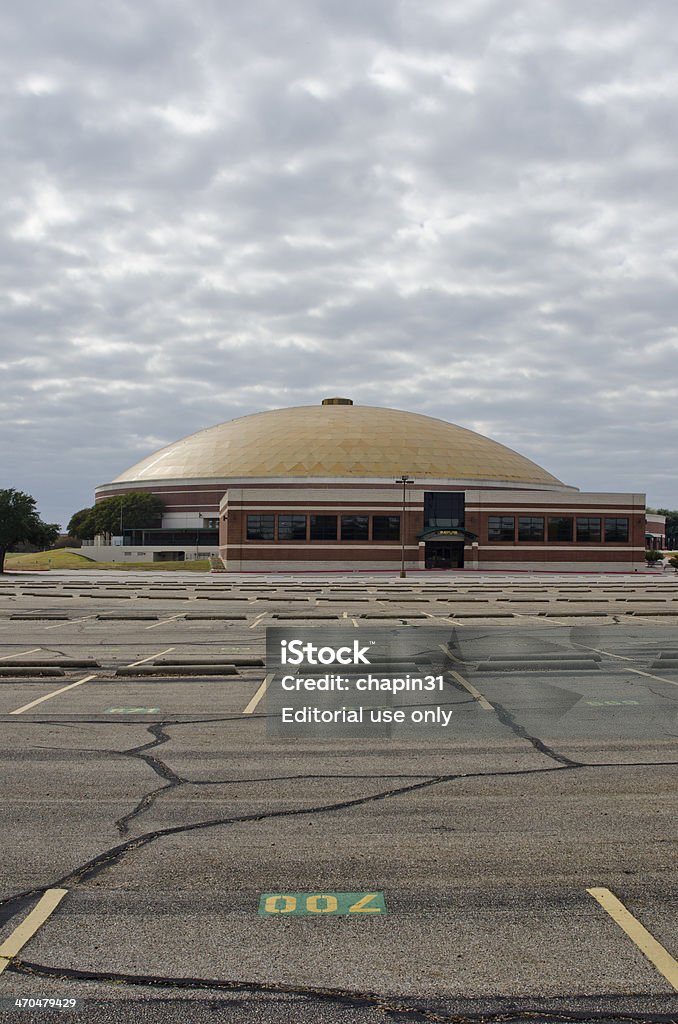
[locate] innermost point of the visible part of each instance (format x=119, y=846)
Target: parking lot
x=140, y=779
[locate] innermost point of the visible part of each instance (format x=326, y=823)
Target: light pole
x=404, y=480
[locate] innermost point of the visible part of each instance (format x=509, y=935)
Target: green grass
x=49, y=560
x=68, y=560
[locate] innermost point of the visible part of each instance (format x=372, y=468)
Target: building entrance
x=444, y=554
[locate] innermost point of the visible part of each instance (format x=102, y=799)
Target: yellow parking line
x=450, y=654
x=476, y=694
x=258, y=695
x=149, y=658
x=29, y=926
x=6, y=657
x=48, y=696
x=645, y=942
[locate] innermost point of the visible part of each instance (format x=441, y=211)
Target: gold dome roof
x=338, y=441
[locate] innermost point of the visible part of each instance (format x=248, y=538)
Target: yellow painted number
x=361, y=906
x=330, y=904
x=289, y=904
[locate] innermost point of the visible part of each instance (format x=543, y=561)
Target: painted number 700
x=336, y=903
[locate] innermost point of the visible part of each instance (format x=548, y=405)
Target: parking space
x=139, y=775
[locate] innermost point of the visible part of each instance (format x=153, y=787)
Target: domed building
x=321, y=488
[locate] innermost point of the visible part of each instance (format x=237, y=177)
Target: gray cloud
x=215, y=208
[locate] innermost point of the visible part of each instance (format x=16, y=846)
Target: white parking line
x=621, y=657
x=6, y=657
x=54, y=693
x=70, y=622
x=79, y=682
x=598, y=650
x=150, y=658
x=258, y=620
x=443, y=618
x=541, y=619
x=165, y=621
x=258, y=695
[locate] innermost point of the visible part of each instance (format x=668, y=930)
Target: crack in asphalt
x=111, y=856
x=358, y=1000
x=158, y=766
x=507, y=719
x=148, y=800
x=145, y=804
x=664, y=696
x=174, y=780
x=93, y=867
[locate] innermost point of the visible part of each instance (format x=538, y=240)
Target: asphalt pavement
x=167, y=856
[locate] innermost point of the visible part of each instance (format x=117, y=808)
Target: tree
x=81, y=525
x=671, y=526
x=66, y=541
x=134, y=511
x=20, y=522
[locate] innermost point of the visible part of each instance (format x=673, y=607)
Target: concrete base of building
x=625, y=565
x=316, y=566
x=118, y=553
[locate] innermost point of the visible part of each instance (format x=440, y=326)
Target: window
x=188, y=537
x=354, y=527
x=210, y=524
x=291, y=527
x=530, y=528
x=501, y=528
x=260, y=527
x=560, y=528
x=323, y=527
x=444, y=509
x=588, y=529
x=385, y=527
x=616, y=531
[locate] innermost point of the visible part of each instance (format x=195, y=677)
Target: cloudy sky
x=466, y=209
